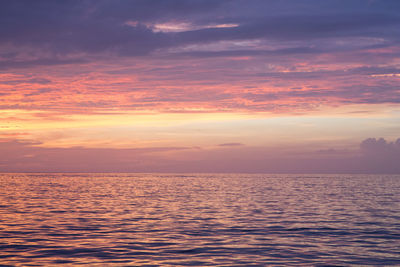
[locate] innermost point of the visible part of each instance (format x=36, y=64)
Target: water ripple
x=199, y=220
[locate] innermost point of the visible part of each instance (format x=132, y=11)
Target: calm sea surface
x=199, y=219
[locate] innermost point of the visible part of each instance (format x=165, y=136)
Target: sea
x=113, y=219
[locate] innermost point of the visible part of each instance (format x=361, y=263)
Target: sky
x=200, y=86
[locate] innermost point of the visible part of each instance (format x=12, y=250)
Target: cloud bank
x=374, y=156
x=198, y=56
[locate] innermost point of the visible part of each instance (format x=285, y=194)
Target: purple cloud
x=91, y=27
x=230, y=55
x=231, y=144
x=374, y=156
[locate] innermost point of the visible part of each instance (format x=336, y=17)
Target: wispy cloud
x=231, y=144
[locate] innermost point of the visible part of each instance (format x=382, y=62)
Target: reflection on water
x=225, y=219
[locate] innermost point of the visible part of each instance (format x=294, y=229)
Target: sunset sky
x=200, y=86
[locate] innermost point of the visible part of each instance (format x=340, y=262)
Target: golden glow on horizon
x=151, y=129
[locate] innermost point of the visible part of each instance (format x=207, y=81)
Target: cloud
x=127, y=28
x=29, y=81
x=374, y=156
x=231, y=144
x=380, y=148
x=28, y=156
x=380, y=155
x=297, y=27
x=91, y=27
x=106, y=55
x=52, y=61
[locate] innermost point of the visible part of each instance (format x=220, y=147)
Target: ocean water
x=199, y=219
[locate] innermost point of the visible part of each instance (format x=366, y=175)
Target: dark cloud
x=62, y=27
x=153, y=10
x=91, y=27
x=29, y=81
x=317, y=74
x=17, y=63
x=300, y=28
x=248, y=52
x=355, y=94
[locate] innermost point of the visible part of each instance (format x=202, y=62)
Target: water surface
x=199, y=219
